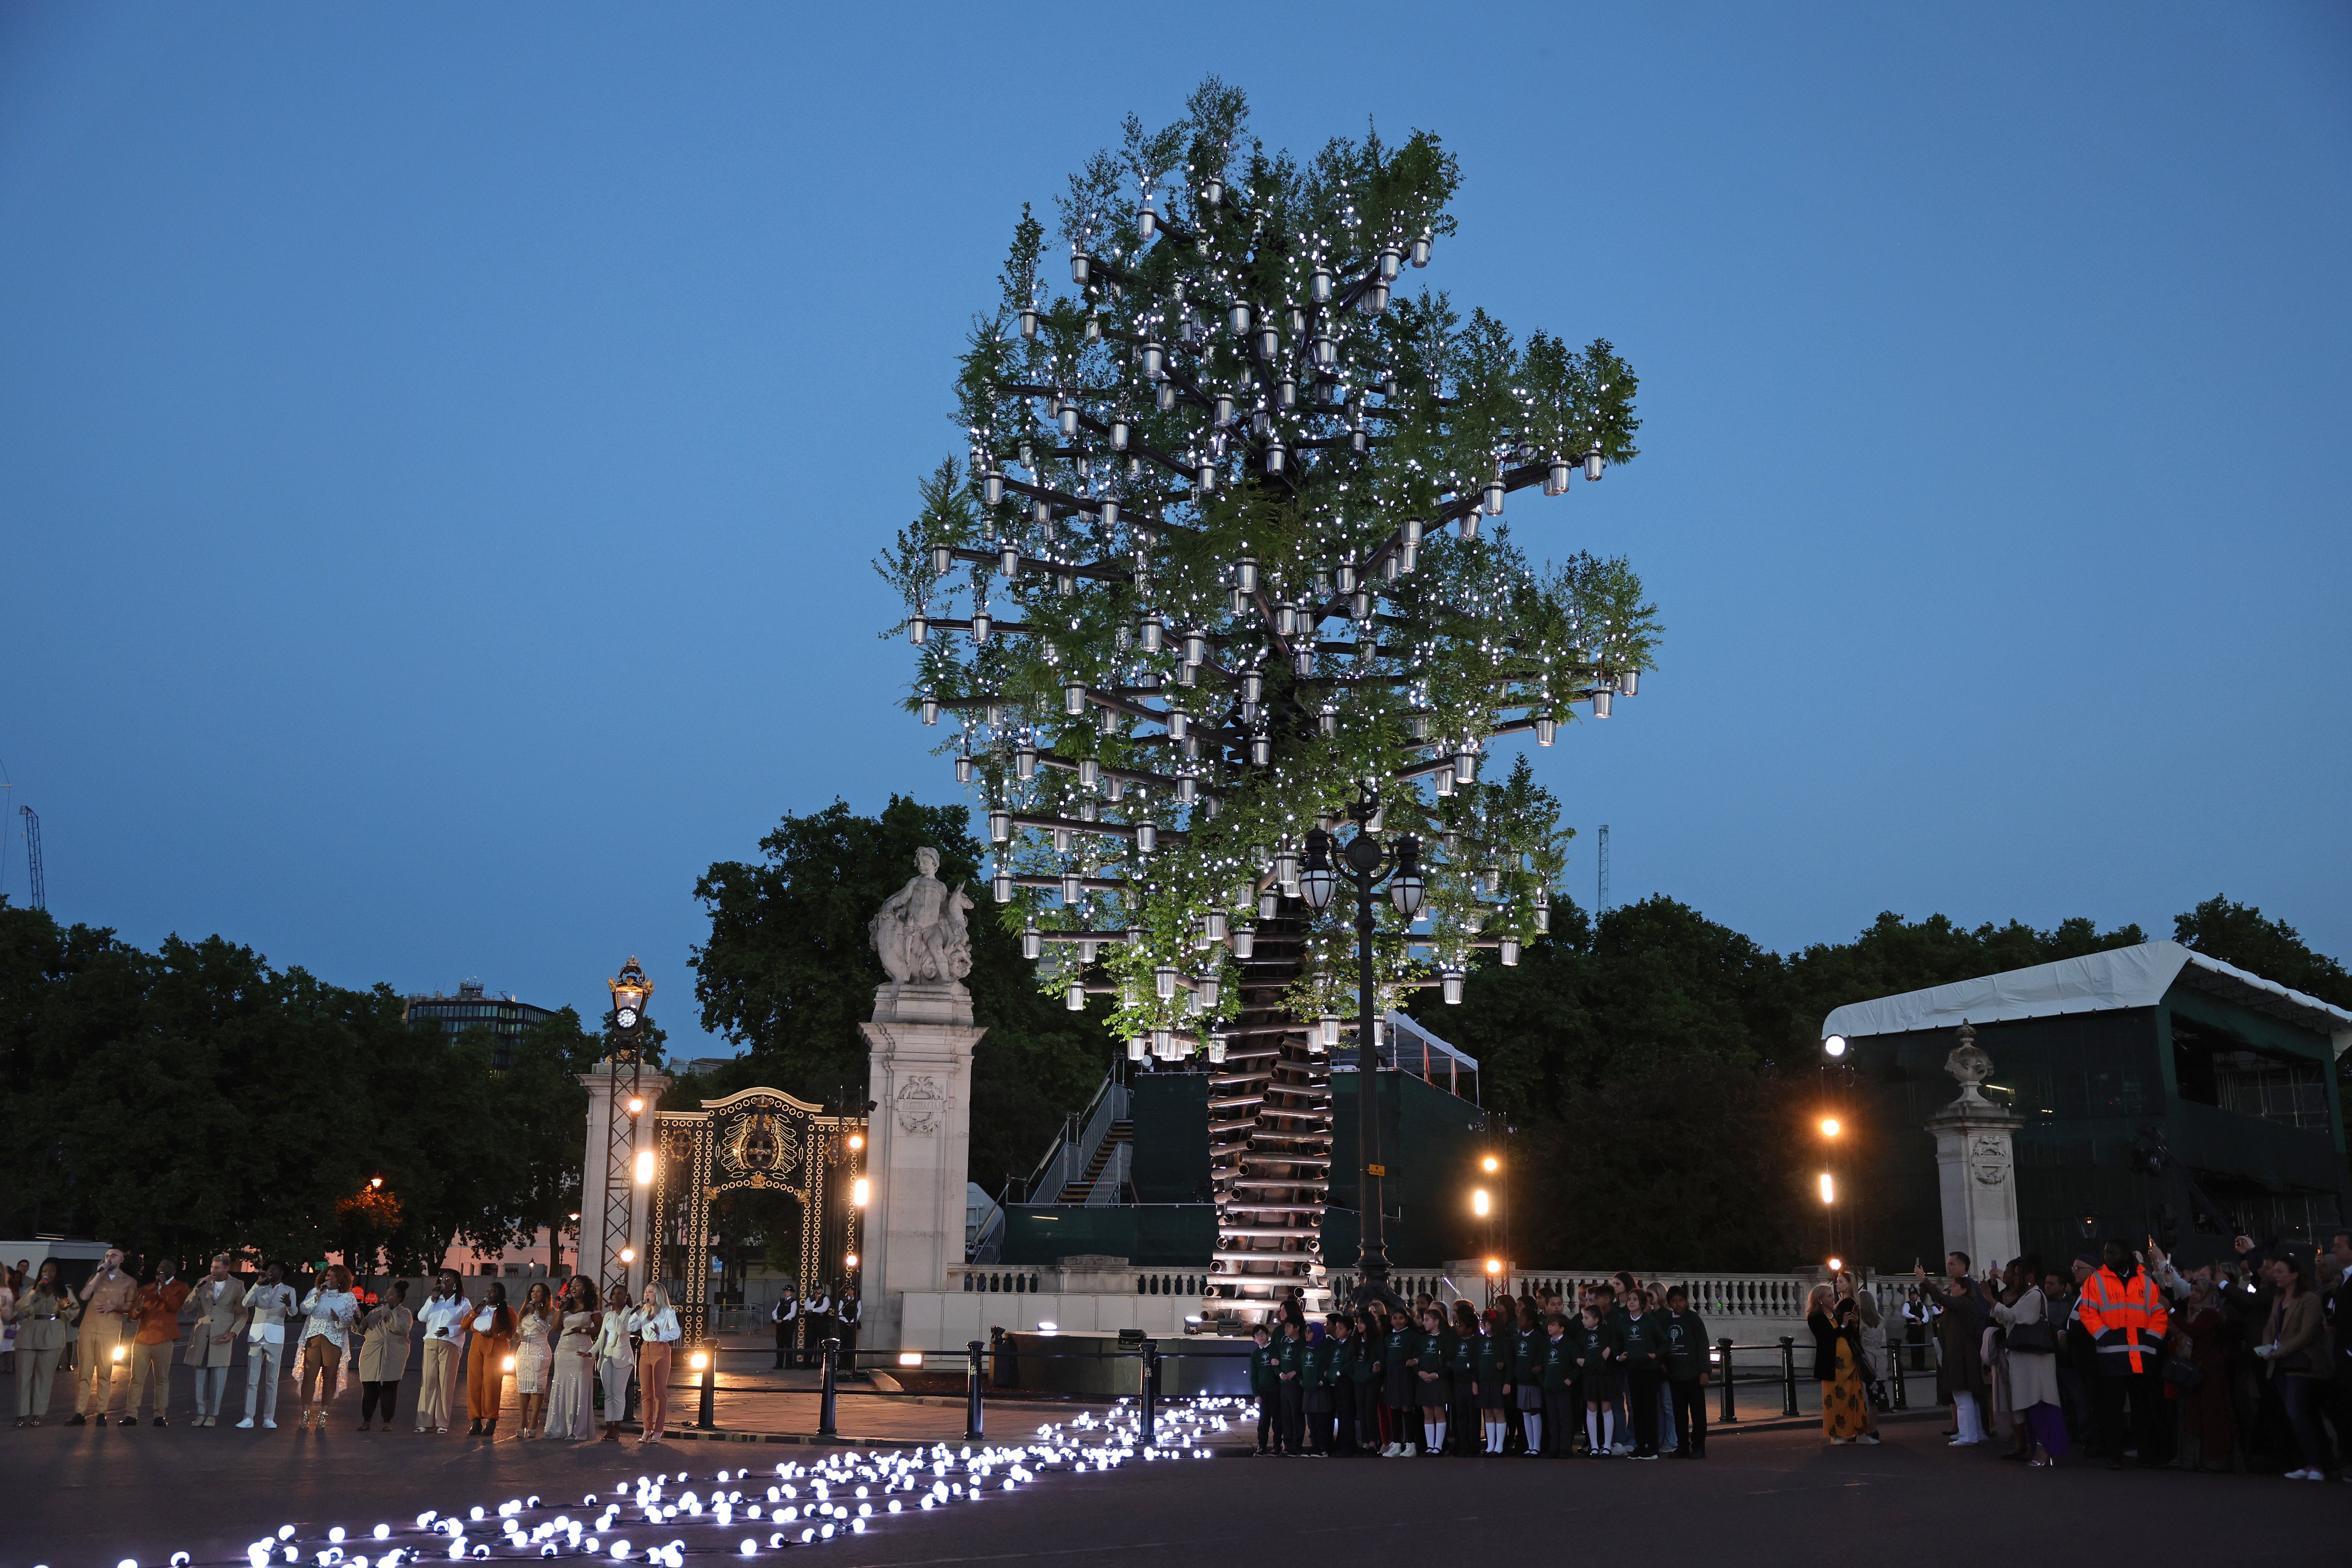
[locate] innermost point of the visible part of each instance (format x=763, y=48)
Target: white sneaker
x=246, y=1425
x=1388, y=1450
x=266, y=1421
x=1869, y=1438
x=1406, y=1450
x=2303, y=1474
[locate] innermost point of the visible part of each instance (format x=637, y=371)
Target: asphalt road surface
x=84, y=1498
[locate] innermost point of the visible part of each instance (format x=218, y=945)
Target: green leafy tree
x=2241, y=935
x=790, y=973
x=1194, y=593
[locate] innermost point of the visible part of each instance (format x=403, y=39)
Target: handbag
x=2037, y=1338
x=2184, y=1376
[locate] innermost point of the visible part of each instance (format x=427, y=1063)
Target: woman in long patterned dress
x=571, y=1404
x=1837, y=1366
x=534, y=1332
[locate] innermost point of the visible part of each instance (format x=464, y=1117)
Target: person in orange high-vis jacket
x=2123, y=1309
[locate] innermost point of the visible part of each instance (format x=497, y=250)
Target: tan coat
x=384, y=1343
x=42, y=1321
x=212, y=1318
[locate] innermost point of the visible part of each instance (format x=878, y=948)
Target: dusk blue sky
x=441, y=447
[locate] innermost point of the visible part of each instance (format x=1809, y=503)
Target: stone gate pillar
x=1976, y=1162
x=920, y=1048
x=611, y=1215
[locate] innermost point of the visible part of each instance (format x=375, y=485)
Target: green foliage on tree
x=1195, y=590
x=2239, y=934
x=194, y=1098
x=790, y=972
x=1659, y=1065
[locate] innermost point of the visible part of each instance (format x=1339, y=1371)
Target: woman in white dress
x=571, y=1408
x=534, y=1335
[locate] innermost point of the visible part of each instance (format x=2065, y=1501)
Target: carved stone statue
x=1969, y=1066
x=920, y=933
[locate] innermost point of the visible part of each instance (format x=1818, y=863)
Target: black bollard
x=1788, y=1376
x=1150, y=1389
x=825, y=1426
x=1730, y=1410
x=704, y=1418
x=974, y=1425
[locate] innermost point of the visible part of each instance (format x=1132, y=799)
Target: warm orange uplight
x=1829, y=1188
x=1494, y=1266
x=850, y=1262
x=1829, y=1128
x=374, y=1182
x=635, y=1105
x=857, y=1140
x=1479, y=1202
x=507, y=1365
x=699, y=1361
x=1836, y=1264
x=629, y=1254
x=1491, y=1164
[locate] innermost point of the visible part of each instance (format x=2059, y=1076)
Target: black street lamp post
x=1363, y=859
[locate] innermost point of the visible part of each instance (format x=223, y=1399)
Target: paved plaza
x=89, y=1498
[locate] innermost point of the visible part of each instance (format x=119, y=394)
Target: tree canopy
x=788, y=974
x=194, y=1098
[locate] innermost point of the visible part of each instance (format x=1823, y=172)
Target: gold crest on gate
x=759, y=1148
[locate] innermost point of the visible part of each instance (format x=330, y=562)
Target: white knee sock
x=1534, y=1423
x=1609, y=1428
x=1592, y=1430
x=1494, y=1437
x=1436, y=1436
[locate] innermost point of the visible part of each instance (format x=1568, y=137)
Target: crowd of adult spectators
x=2123, y=1356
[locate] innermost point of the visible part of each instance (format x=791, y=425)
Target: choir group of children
x=1528, y=1377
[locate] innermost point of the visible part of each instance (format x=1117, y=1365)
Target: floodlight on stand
x=1835, y=1047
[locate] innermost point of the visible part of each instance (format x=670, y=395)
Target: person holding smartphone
x=444, y=1318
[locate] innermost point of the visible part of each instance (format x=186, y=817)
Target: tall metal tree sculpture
x=1227, y=563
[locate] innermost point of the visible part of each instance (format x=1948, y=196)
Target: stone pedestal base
x=1976, y=1166
x=920, y=1048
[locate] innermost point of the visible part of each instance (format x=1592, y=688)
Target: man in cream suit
x=106, y=1298
x=267, y=1307
x=218, y=1302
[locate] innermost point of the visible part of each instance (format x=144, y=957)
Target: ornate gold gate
x=758, y=1138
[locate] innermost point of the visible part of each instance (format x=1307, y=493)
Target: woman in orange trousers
x=489, y=1356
